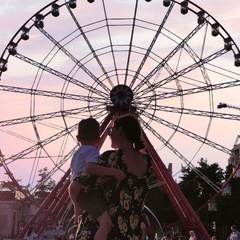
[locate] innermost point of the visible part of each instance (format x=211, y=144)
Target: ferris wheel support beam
x=56, y=207
x=44, y=204
x=65, y=205
x=62, y=199
x=73, y=68
x=15, y=182
x=187, y=215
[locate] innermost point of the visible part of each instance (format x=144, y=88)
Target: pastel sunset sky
x=14, y=13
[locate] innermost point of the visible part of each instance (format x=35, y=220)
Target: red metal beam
x=186, y=214
x=54, y=202
x=55, y=206
x=44, y=205
x=104, y=125
x=64, y=206
x=15, y=183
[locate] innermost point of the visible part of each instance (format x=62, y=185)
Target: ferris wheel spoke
x=131, y=41
x=61, y=75
x=186, y=70
x=194, y=112
x=99, y=112
x=41, y=144
x=188, y=133
x=56, y=168
x=168, y=57
x=18, y=136
x=93, y=52
x=183, y=92
x=158, y=32
x=199, y=89
x=44, y=93
x=179, y=155
x=40, y=117
x=195, y=57
x=75, y=60
x=109, y=37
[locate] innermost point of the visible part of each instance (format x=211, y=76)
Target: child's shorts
x=93, y=202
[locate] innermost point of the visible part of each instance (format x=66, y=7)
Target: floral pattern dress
x=125, y=201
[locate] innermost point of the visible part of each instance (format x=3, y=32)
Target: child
x=85, y=159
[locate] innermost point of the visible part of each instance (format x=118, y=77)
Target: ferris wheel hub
x=121, y=96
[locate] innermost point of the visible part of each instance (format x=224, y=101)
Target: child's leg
x=74, y=189
x=105, y=225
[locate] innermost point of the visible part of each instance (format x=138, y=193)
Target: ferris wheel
x=169, y=62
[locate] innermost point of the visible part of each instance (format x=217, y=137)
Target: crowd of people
x=30, y=234
x=235, y=234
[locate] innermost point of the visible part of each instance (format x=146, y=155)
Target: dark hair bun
x=138, y=145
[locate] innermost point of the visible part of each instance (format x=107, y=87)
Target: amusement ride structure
x=155, y=59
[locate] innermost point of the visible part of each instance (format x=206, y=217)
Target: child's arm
x=95, y=169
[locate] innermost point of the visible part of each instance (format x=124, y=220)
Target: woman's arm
x=95, y=169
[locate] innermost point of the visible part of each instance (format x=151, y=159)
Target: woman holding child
x=125, y=199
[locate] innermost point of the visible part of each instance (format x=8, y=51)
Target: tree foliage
x=218, y=215
x=198, y=192
x=45, y=185
x=196, y=189
x=158, y=202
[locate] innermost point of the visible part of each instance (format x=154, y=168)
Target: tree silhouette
x=45, y=186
